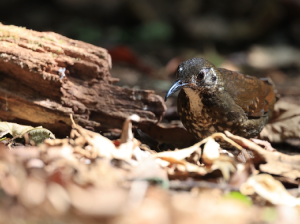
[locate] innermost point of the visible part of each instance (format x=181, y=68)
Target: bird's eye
x=200, y=76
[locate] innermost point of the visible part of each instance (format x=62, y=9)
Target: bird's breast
x=195, y=116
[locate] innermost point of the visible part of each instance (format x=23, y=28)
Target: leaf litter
x=88, y=178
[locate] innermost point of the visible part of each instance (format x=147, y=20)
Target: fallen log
x=45, y=77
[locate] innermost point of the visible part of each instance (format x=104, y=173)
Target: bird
x=216, y=99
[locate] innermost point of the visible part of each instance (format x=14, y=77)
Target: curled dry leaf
x=245, y=142
x=210, y=151
x=127, y=134
x=125, y=151
x=270, y=189
x=2, y=133
x=140, y=154
x=148, y=169
x=99, y=146
x=179, y=155
x=267, y=145
x=212, y=159
x=58, y=152
x=127, y=142
x=14, y=129
x=176, y=160
x=285, y=124
x=226, y=167
x=37, y=135
x=192, y=168
x=275, y=163
x=243, y=172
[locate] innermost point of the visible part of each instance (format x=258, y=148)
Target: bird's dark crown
x=197, y=74
x=191, y=67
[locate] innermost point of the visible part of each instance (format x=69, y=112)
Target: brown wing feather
x=253, y=95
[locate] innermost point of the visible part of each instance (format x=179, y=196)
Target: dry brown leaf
x=57, y=152
x=148, y=169
x=97, y=201
x=171, y=161
x=5, y=132
x=285, y=124
x=97, y=145
x=241, y=175
x=5, y=154
x=101, y=146
x=226, y=167
x=177, y=158
x=26, y=153
x=213, y=161
x=192, y=168
x=211, y=158
x=267, y=145
x=89, y=174
x=270, y=189
x=35, y=163
x=271, y=162
x=125, y=150
x=140, y=154
x=211, y=151
x=58, y=197
x=127, y=142
x=33, y=192
x=127, y=134
x=163, y=162
x=10, y=185
x=15, y=129
x=37, y=135
x=179, y=154
x=173, y=166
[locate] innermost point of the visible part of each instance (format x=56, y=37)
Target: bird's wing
x=253, y=95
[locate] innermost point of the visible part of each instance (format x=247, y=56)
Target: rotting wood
x=33, y=91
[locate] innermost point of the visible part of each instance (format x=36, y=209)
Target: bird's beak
x=175, y=87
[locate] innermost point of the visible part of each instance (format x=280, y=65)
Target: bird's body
x=214, y=100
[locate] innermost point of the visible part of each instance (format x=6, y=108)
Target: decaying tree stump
x=34, y=89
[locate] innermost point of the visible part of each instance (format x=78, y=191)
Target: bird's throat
x=195, y=101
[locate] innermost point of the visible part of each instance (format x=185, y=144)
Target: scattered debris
x=92, y=175
x=61, y=72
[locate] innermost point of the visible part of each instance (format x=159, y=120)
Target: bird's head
x=197, y=74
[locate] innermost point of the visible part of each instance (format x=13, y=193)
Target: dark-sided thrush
x=215, y=99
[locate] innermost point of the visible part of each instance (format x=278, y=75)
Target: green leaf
x=235, y=195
